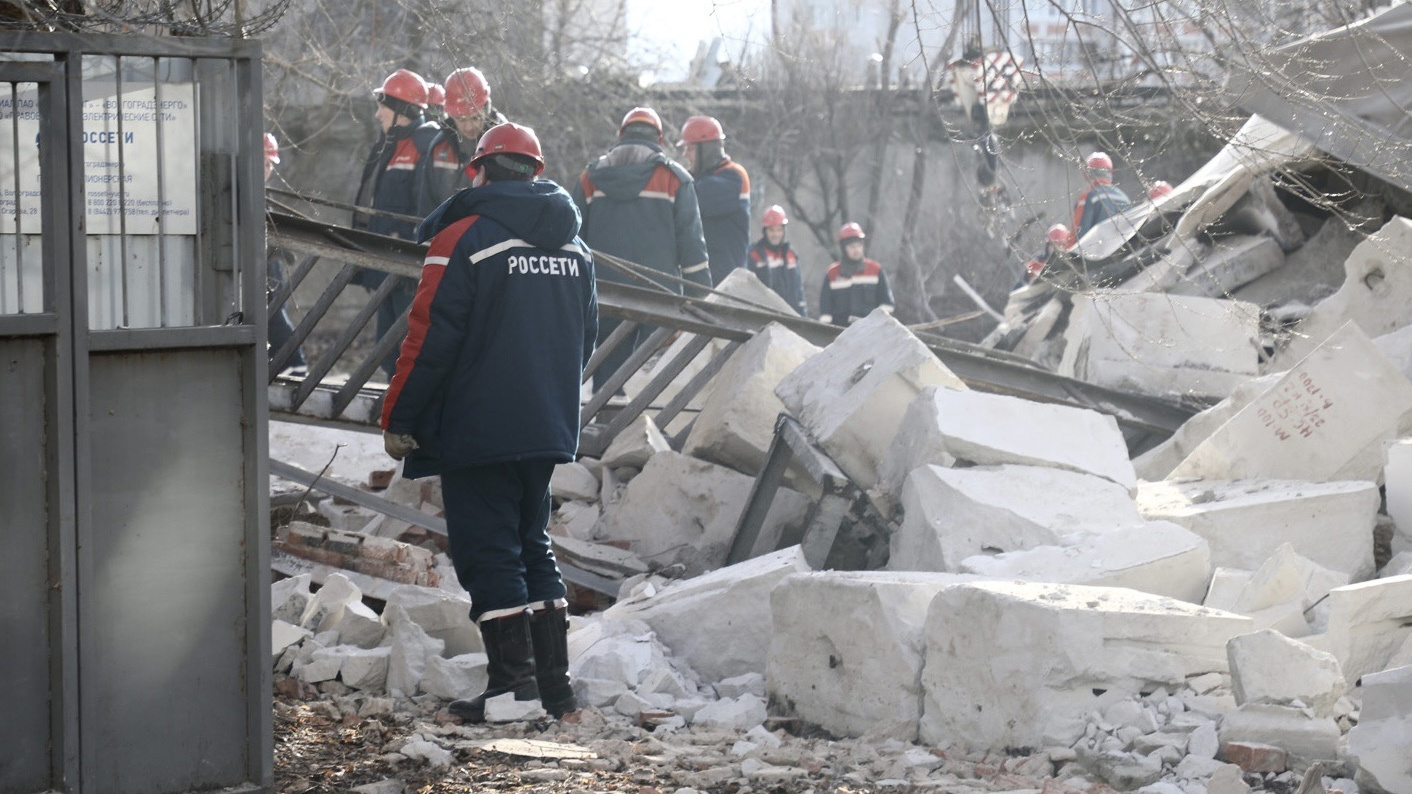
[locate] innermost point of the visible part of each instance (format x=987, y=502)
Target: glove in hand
x=398, y=445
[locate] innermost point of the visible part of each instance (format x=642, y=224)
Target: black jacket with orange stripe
x=640, y=206
x=724, y=198
x=504, y=321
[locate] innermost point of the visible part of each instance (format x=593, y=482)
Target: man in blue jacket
x=640, y=206
x=487, y=396
x=389, y=182
x=722, y=191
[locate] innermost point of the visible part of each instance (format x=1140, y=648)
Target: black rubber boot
x=511, y=664
x=549, y=626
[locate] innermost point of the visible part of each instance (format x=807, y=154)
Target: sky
x=671, y=31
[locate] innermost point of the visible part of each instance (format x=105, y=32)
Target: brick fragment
x=1255, y=757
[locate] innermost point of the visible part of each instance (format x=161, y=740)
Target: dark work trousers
x=496, y=517
x=621, y=353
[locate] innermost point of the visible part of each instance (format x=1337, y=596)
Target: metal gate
x=134, y=560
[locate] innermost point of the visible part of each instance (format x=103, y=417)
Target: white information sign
x=127, y=177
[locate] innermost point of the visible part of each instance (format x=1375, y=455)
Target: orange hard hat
x=1158, y=190
x=774, y=216
x=436, y=95
x=467, y=92
x=1099, y=160
x=699, y=129
x=642, y=115
x=1058, y=234
x=405, y=85
x=271, y=148
x=851, y=231
x=509, y=138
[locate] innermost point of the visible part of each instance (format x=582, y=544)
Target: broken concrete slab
x=949, y=515
x=716, y=622
x=600, y=558
x=1367, y=624
x=738, y=284
x=283, y=635
x=1382, y=739
x=1022, y=665
x=411, y=649
x=1305, y=737
x=1326, y=419
x=1158, y=462
x=1310, y=273
x=1285, y=593
x=944, y=426
x=290, y=597
x=441, y=615
x=635, y=445
x=574, y=481
x=847, y=650
x=1158, y=558
x=682, y=510
x=1162, y=345
x=1245, y=521
x=1268, y=667
x=1376, y=293
x=1229, y=265
x=737, y=421
x=852, y=395
x=458, y=677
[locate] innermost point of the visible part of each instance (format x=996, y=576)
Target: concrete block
x=852, y=395
x=505, y=708
x=326, y=608
x=364, y=668
x=1280, y=592
x=1314, y=270
x=1229, y=265
x=579, y=520
x=458, y=677
x=681, y=510
x=738, y=284
x=943, y=426
x=1326, y=419
x=717, y=622
x=615, y=650
x=739, y=714
x=598, y=692
x=324, y=666
x=1157, y=463
x=1246, y=521
x=290, y=597
x=411, y=649
x=284, y=635
x=1397, y=346
x=1304, y=737
x=1022, y=665
x=1368, y=623
x=635, y=445
x=574, y=481
x=347, y=518
x=949, y=515
x=737, y=685
x=359, y=625
x=1376, y=293
x=847, y=650
x=1159, y=558
x=737, y=421
x=441, y=615
x=1397, y=477
x=1267, y=667
x=1382, y=739
x=1162, y=345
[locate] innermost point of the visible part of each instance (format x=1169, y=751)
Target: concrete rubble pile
x=1046, y=613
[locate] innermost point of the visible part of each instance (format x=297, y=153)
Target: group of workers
x=485, y=389
x=1099, y=201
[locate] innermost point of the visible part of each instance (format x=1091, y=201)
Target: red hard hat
x=642, y=116
x=467, y=92
x=851, y=231
x=1099, y=160
x=405, y=85
x=1158, y=190
x=699, y=129
x=436, y=95
x=1058, y=234
x=271, y=148
x=509, y=138
x=774, y=216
